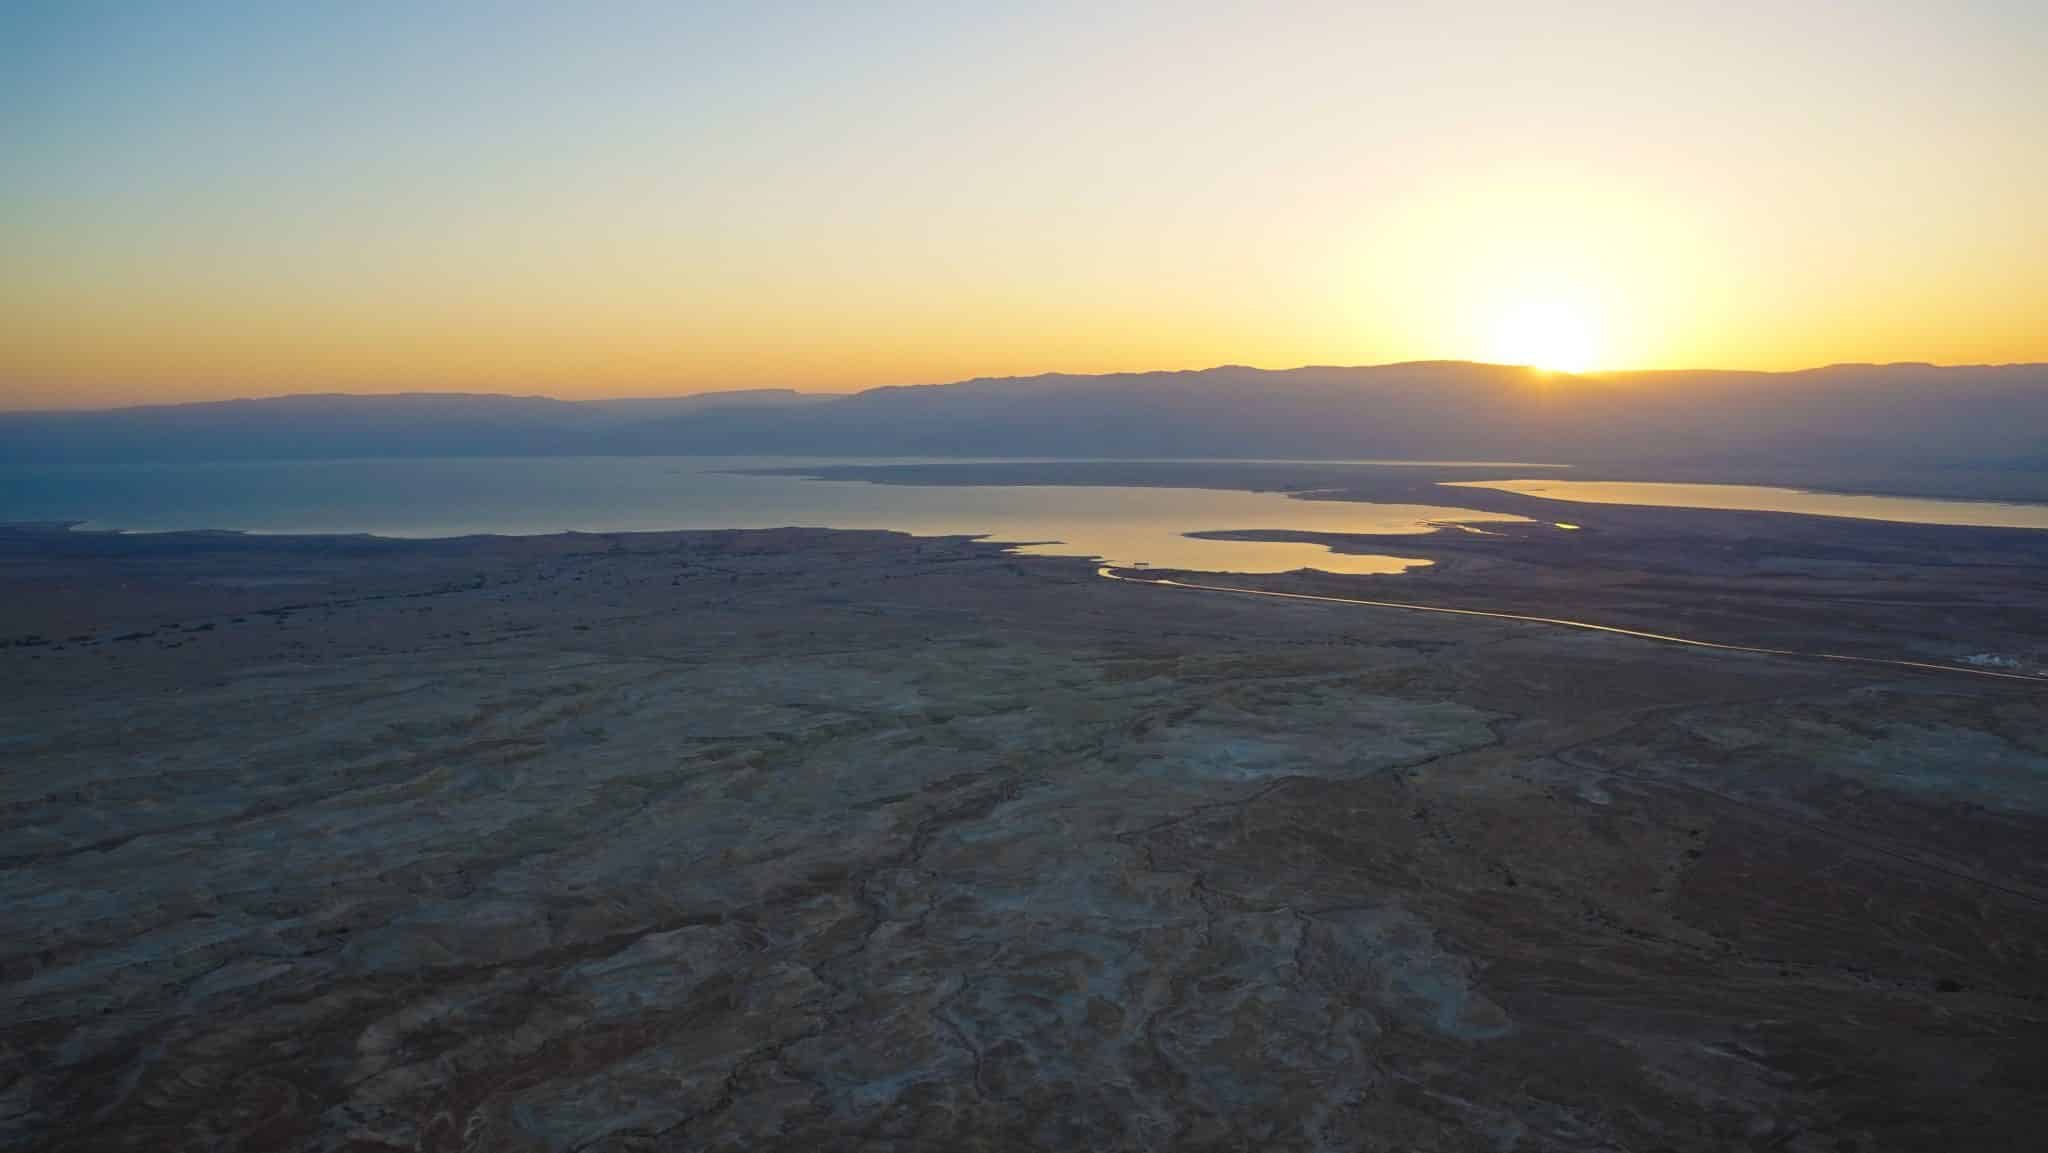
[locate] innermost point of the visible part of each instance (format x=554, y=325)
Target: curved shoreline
x=1887, y=508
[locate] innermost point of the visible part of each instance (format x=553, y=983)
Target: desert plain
x=804, y=839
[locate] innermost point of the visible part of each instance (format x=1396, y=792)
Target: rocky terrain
x=808, y=840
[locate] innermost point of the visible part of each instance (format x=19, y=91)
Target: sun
x=1550, y=334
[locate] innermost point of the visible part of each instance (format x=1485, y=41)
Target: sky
x=203, y=200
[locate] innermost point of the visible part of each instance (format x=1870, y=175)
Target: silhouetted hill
x=640, y=408
x=1895, y=415
x=1872, y=418
x=296, y=427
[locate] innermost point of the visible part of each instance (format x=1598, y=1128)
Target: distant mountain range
x=1912, y=417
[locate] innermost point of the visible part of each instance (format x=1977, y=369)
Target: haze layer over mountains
x=1859, y=421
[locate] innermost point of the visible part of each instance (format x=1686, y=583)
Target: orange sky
x=218, y=200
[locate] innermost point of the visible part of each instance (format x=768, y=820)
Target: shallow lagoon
x=1764, y=498
x=457, y=497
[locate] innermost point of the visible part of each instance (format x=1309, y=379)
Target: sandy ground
x=810, y=840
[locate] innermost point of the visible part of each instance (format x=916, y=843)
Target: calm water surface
x=449, y=497
x=1761, y=498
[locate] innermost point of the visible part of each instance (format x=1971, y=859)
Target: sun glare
x=1548, y=334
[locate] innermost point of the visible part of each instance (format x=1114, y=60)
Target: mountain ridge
x=748, y=395
x=1899, y=416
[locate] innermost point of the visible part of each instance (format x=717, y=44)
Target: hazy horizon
x=720, y=574
x=371, y=391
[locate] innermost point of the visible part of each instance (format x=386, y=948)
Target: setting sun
x=870, y=509
x=1548, y=334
